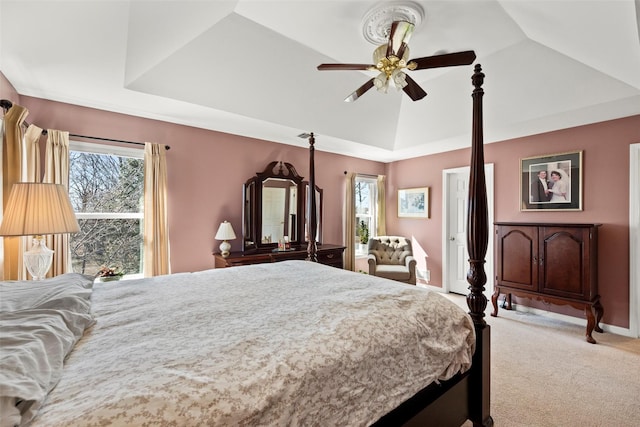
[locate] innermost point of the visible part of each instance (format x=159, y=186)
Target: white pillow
x=40, y=322
x=54, y=292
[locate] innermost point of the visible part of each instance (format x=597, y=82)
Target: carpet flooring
x=544, y=374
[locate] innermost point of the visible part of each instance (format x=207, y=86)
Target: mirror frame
x=252, y=206
x=318, y=212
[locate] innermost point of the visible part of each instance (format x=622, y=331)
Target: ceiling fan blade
x=412, y=89
x=394, y=26
x=401, y=37
x=360, y=91
x=446, y=60
x=322, y=67
x=402, y=49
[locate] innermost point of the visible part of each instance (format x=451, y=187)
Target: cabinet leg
x=591, y=323
x=599, y=313
x=494, y=301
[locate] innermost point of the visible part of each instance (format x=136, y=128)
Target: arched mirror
x=274, y=207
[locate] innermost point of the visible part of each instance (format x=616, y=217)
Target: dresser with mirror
x=274, y=210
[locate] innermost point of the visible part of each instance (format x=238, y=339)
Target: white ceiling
x=249, y=67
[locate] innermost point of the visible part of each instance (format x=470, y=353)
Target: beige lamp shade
x=225, y=232
x=34, y=209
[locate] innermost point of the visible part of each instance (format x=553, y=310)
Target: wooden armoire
x=554, y=263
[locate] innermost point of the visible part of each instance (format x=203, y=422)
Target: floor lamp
x=35, y=209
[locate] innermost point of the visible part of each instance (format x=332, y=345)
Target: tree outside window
x=106, y=192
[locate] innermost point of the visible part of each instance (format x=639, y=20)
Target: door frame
x=489, y=264
x=634, y=239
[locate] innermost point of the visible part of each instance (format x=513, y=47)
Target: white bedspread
x=291, y=343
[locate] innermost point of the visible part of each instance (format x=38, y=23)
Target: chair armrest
x=410, y=262
x=371, y=260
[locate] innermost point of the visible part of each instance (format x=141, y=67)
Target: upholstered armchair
x=392, y=257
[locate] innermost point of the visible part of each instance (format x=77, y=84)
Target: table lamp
x=35, y=209
x=225, y=232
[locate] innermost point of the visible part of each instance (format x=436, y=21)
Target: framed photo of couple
x=551, y=182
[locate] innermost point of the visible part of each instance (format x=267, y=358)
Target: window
x=366, y=195
x=106, y=187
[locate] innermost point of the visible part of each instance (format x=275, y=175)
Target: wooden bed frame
x=465, y=396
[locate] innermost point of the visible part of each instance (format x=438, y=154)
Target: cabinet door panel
x=563, y=261
x=517, y=264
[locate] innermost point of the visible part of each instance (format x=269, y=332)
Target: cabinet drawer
x=328, y=254
x=233, y=262
x=332, y=258
x=287, y=256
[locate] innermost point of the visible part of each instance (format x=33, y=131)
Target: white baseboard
x=573, y=320
x=625, y=332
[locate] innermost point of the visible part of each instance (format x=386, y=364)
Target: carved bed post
x=477, y=239
x=312, y=224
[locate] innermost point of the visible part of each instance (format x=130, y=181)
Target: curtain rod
x=6, y=105
x=365, y=175
x=167, y=147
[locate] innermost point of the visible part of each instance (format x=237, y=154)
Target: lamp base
x=38, y=258
x=225, y=249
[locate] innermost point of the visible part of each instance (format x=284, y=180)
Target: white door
x=455, y=258
x=457, y=233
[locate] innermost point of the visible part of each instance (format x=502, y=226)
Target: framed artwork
x=551, y=183
x=413, y=203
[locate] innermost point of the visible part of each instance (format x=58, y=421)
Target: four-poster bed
x=293, y=342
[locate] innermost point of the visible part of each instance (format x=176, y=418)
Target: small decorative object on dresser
x=555, y=263
x=225, y=233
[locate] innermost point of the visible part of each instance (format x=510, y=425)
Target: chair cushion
x=393, y=272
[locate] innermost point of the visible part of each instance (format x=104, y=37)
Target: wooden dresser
x=327, y=254
x=554, y=263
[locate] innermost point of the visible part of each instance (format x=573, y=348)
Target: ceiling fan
x=392, y=58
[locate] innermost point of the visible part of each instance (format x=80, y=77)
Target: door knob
x=452, y=238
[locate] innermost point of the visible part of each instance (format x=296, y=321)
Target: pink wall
x=206, y=172
x=605, y=149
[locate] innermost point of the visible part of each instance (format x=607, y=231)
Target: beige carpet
x=544, y=373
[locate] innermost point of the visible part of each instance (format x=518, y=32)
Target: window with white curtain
x=366, y=203
x=106, y=187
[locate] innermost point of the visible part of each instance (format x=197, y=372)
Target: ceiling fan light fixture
x=399, y=79
x=380, y=55
x=381, y=82
x=391, y=56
